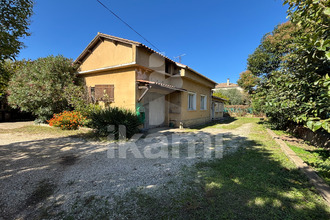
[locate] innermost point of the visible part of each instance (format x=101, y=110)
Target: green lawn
x=235, y=123
x=228, y=123
x=256, y=182
x=318, y=158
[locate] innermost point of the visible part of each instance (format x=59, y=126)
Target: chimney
x=228, y=82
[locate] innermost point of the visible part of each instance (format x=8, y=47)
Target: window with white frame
x=191, y=101
x=203, y=102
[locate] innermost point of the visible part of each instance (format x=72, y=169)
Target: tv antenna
x=180, y=57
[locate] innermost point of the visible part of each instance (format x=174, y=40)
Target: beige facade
x=168, y=93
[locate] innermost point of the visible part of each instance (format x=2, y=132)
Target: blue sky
x=216, y=35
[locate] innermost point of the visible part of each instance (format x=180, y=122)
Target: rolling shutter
x=105, y=93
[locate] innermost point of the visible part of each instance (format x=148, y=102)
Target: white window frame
x=193, y=107
x=203, y=107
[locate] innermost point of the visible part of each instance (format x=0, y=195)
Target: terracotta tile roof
x=163, y=85
x=224, y=85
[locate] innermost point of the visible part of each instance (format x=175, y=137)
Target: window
x=191, y=101
x=103, y=93
x=203, y=102
x=167, y=67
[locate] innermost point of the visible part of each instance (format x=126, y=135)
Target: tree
x=274, y=46
x=313, y=16
x=293, y=65
x=219, y=94
x=234, y=96
x=14, y=22
x=40, y=86
x=247, y=81
x=7, y=69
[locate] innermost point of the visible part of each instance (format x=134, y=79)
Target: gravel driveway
x=39, y=171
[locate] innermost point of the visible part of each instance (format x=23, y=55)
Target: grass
x=256, y=182
x=229, y=123
x=317, y=158
x=235, y=123
x=260, y=183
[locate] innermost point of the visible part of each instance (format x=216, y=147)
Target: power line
x=127, y=24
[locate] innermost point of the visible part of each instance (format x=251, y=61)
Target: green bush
x=39, y=86
x=100, y=119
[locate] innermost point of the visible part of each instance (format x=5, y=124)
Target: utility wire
x=127, y=24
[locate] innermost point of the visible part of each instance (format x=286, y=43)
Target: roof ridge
x=118, y=38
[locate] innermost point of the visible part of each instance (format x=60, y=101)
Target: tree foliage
x=14, y=22
x=40, y=86
x=234, y=96
x=247, y=81
x=293, y=64
x=7, y=69
x=218, y=93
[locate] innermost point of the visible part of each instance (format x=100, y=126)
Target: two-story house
x=128, y=74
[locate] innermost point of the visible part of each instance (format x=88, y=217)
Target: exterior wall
x=123, y=81
x=195, y=77
x=149, y=66
x=198, y=116
x=107, y=54
x=218, y=115
x=150, y=60
x=175, y=101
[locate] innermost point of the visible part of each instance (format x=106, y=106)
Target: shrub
x=67, y=120
x=100, y=119
x=39, y=86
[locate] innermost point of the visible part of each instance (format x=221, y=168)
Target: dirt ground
x=39, y=171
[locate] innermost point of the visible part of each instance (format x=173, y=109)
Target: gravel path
x=72, y=168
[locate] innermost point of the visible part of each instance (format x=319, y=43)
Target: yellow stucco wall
x=123, y=81
x=107, y=54
x=150, y=60
x=195, y=77
x=198, y=116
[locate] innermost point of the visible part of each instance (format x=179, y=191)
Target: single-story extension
x=128, y=74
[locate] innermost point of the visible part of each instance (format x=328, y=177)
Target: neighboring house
x=228, y=85
x=128, y=74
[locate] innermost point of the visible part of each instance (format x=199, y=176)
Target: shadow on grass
x=323, y=153
x=249, y=184
x=252, y=185
x=224, y=121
